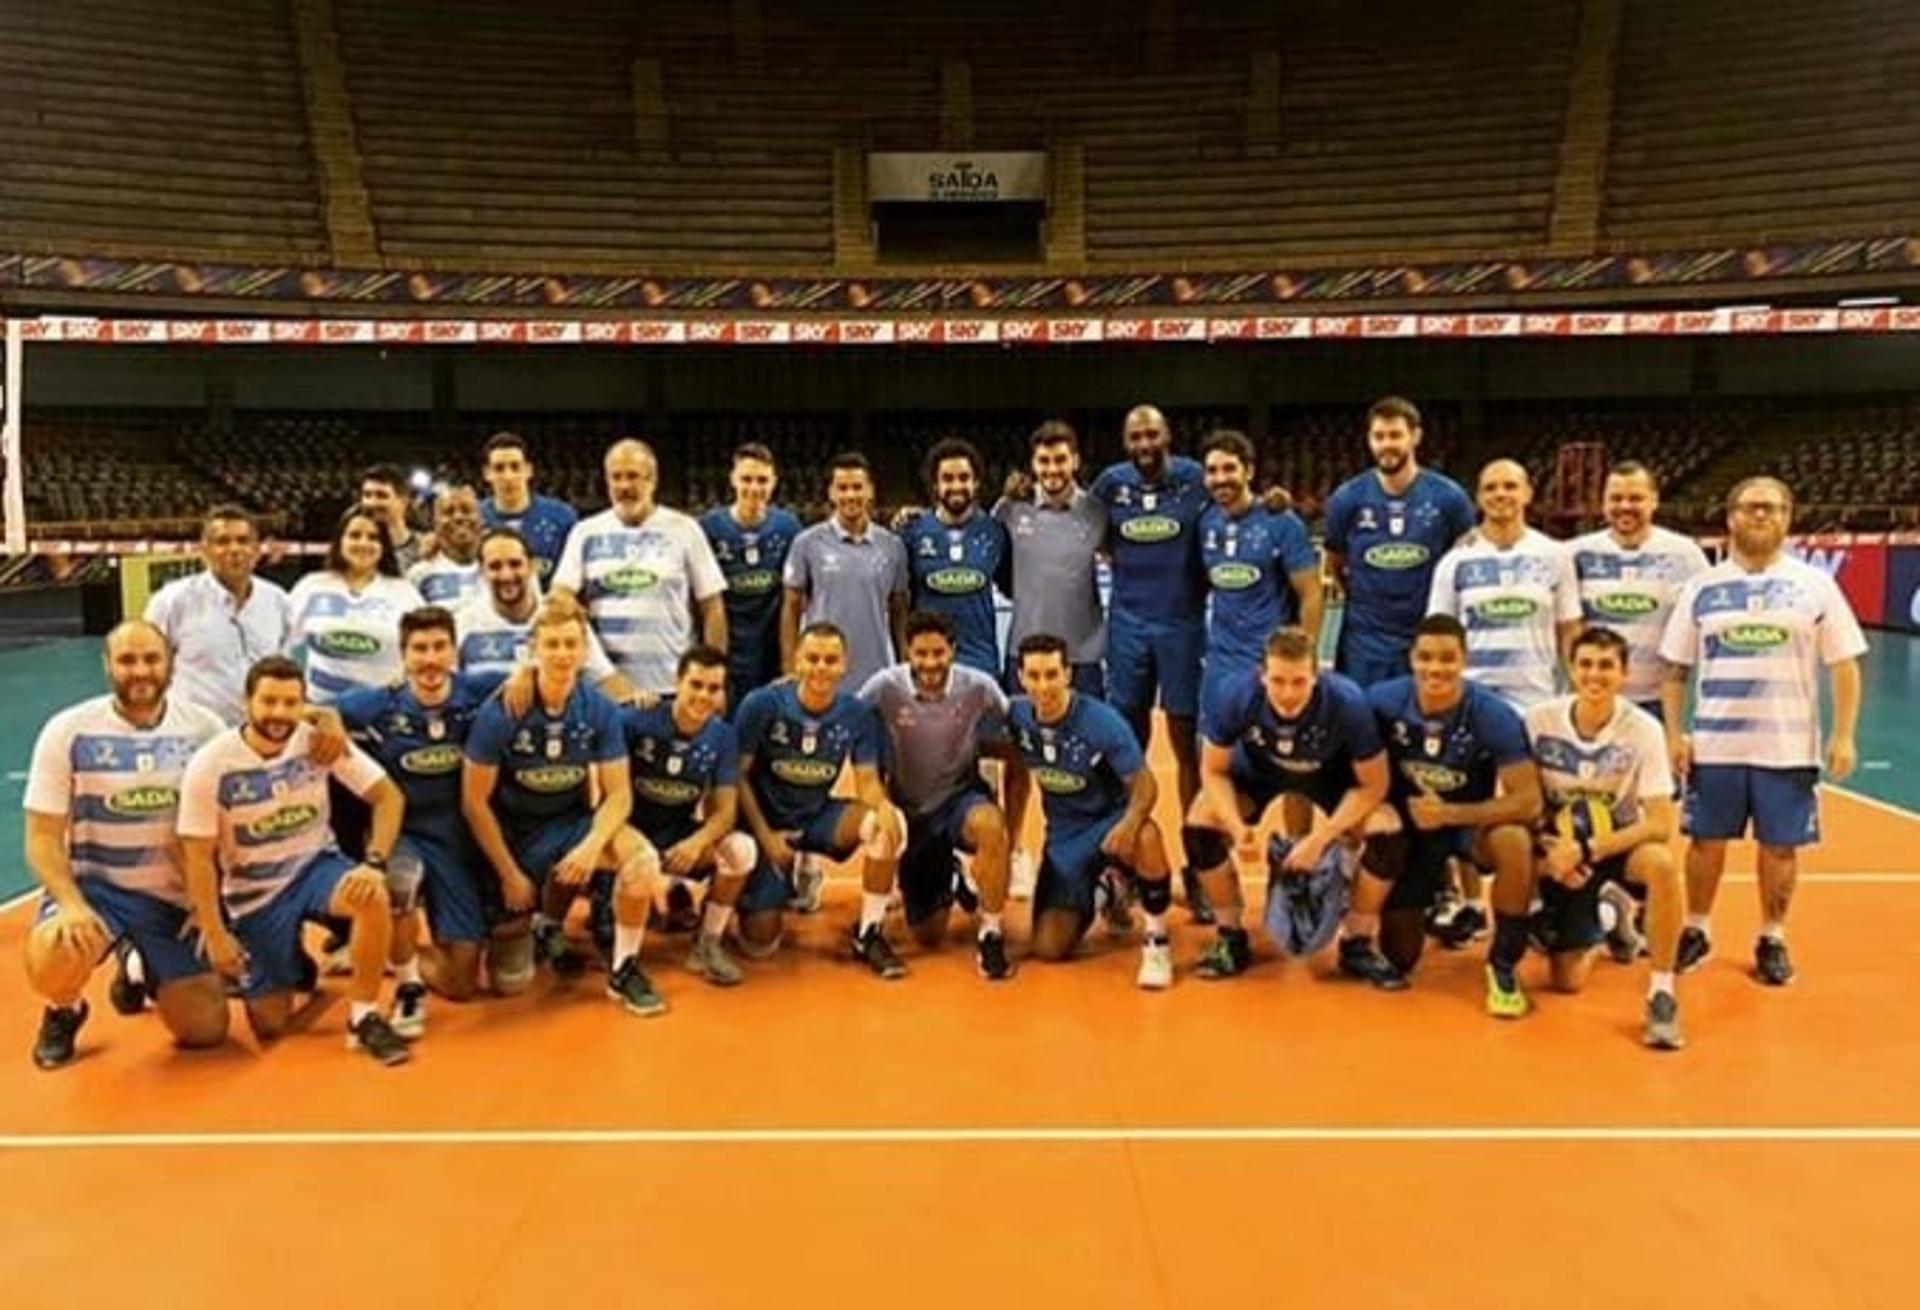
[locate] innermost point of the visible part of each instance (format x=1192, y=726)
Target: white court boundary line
x=1761, y=1134
x=1872, y=802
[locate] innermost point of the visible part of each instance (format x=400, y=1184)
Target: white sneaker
x=809, y=877
x=409, y=1017
x=1156, y=966
x=1022, y=875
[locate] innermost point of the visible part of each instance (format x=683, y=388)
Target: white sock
x=358, y=1010
x=1699, y=921
x=990, y=925
x=1658, y=982
x=626, y=942
x=713, y=919
x=1609, y=916
x=873, y=910
x=1156, y=925
x=1774, y=930
x=408, y=972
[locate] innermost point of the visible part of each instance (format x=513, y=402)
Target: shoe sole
x=717, y=979
x=636, y=1011
x=1154, y=984
x=1765, y=981
x=1378, y=984
x=384, y=1061
x=409, y=1032
x=1673, y=1043
x=994, y=977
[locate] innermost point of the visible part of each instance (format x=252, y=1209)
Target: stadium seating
x=113, y=472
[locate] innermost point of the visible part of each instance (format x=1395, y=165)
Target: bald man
x=645, y=573
x=102, y=796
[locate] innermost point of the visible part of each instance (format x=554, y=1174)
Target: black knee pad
x=1156, y=897
x=1385, y=855
x=1207, y=848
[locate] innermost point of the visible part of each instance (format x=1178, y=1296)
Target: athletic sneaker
x=59, y=1029
x=1230, y=955
x=1505, y=998
x=1156, y=964
x=1199, y=908
x=873, y=949
x=1663, y=1023
x=809, y=877
x=634, y=990
x=1468, y=924
x=551, y=945
x=336, y=954
x=990, y=956
x=1625, y=942
x=1446, y=904
x=128, y=990
x=1695, y=947
x=374, y=1035
x=1771, y=963
x=1114, y=896
x=1021, y=876
x=1360, y=958
x=410, y=1011
x=965, y=894
x=708, y=958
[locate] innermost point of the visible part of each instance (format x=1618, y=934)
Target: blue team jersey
x=1392, y=545
x=544, y=523
x=1082, y=764
x=421, y=749
x=1458, y=755
x=546, y=760
x=954, y=568
x=1153, y=537
x=797, y=754
x=1250, y=561
x=1335, y=729
x=753, y=561
x=673, y=774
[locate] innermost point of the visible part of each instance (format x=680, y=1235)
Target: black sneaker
x=1199, y=907
x=634, y=990
x=1771, y=963
x=374, y=1035
x=991, y=957
x=59, y=1029
x=550, y=944
x=1695, y=947
x=1360, y=958
x=1663, y=1023
x=964, y=894
x=127, y=993
x=1230, y=955
x=410, y=1011
x=1468, y=924
x=1445, y=905
x=873, y=949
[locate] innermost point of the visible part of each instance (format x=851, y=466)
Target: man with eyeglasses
x=220, y=620
x=1756, y=627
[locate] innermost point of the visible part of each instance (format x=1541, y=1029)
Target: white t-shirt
x=1757, y=641
x=268, y=818
x=491, y=643
x=1622, y=766
x=352, y=640
x=441, y=581
x=640, y=584
x=1631, y=590
x=1511, y=600
x=118, y=787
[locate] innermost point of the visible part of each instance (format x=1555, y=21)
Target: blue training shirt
x=1250, y=562
x=1334, y=730
x=1083, y=764
x=753, y=561
x=421, y=747
x=797, y=754
x=1456, y=756
x=954, y=566
x=1392, y=545
x=1152, y=534
x=544, y=524
x=673, y=774
x=546, y=760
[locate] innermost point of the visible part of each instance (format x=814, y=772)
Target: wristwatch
x=374, y=860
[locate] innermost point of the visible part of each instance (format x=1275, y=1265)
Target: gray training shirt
x=847, y=581
x=932, y=742
x=1055, y=575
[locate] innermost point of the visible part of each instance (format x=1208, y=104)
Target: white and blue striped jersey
x=1511, y=601
x=118, y=788
x=640, y=585
x=491, y=644
x=268, y=818
x=441, y=581
x=1631, y=590
x=1621, y=767
x=1757, y=641
x=350, y=640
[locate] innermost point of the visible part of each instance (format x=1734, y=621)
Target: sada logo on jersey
x=283, y=822
x=1149, y=528
x=956, y=582
x=432, y=761
x=346, y=644
x=1233, y=577
x=668, y=791
x=1506, y=610
x=630, y=580
x=143, y=800
x=1433, y=777
x=1059, y=781
x=551, y=779
x=1396, y=555
x=806, y=773
x=1624, y=605
x=1754, y=636
x=756, y=583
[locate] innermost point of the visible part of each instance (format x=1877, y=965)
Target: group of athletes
x=437, y=743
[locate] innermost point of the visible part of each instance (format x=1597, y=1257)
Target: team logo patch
x=1433, y=777
x=1506, y=610
x=1754, y=636
x=1233, y=577
x=432, y=761
x=1150, y=528
x=284, y=822
x=630, y=580
x=143, y=800
x=668, y=791
x=956, y=582
x=346, y=644
x=551, y=779
x=806, y=773
x=1396, y=555
x=757, y=582
x=1059, y=781
x=1624, y=605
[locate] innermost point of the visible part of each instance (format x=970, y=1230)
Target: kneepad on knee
x=1207, y=848
x=1156, y=897
x=1384, y=855
x=736, y=855
x=882, y=839
x=405, y=874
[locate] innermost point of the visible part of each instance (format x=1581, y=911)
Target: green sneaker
x=1505, y=998
x=710, y=960
x=1230, y=955
x=634, y=990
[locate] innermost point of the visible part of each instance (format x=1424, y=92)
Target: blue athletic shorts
x=462, y=894
x=271, y=934
x=927, y=868
x=1325, y=787
x=1071, y=862
x=1781, y=804
x=162, y=932
x=537, y=850
x=1569, y=917
x=1426, y=871
x=769, y=889
x=1145, y=657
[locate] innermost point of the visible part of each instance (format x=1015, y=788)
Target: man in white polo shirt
x=1757, y=627
x=643, y=572
x=220, y=620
